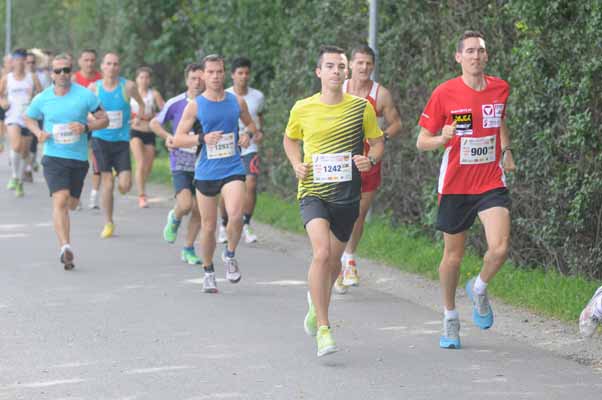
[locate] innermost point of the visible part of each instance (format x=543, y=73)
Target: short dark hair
x=211, y=58
x=30, y=54
x=91, y=51
x=364, y=49
x=20, y=52
x=240, y=62
x=467, y=35
x=142, y=69
x=192, y=68
x=326, y=49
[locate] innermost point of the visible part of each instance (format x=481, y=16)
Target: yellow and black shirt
x=331, y=129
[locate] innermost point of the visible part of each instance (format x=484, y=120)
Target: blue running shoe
x=451, y=334
x=482, y=313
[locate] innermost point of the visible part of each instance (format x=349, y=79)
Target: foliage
x=549, y=51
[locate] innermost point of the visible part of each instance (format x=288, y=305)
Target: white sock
x=451, y=314
x=21, y=166
x=348, y=256
x=480, y=287
x=15, y=161
x=93, y=192
x=598, y=308
x=67, y=246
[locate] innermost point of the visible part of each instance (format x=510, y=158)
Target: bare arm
x=292, y=148
x=132, y=91
x=390, y=113
x=32, y=125
x=507, y=159
x=158, y=99
x=182, y=138
x=427, y=141
x=377, y=150
x=246, y=119
x=37, y=86
x=99, y=120
x=158, y=129
x=3, y=98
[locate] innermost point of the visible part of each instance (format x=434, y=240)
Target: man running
x=219, y=169
x=181, y=162
x=17, y=89
x=324, y=142
x=87, y=75
x=111, y=145
x=64, y=108
x=470, y=112
x=241, y=73
x=362, y=65
x=591, y=316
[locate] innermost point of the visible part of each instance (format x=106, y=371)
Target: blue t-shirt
x=57, y=111
x=222, y=160
x=116, y=103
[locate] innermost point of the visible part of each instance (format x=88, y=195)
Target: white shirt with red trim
x=472, y=159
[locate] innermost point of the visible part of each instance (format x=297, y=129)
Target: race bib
x=222, y=149
x=330, y=168
x=115, y=119
x=191, y=150
x=63, y=135
x=477, y=150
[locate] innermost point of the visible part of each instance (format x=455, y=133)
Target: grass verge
x=403, y=247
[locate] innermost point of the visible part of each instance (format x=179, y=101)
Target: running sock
x=598, y=308
x=189, y=248
x=246, y=219
x=174, y=220
x=65, y=247
x=348, y=256
x=229, y=254
x=15, y=161
x=480, y=287
x=20, y=166
x=451, y=314
x=208, y=269
x=224, y=220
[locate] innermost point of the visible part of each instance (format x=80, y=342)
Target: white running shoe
x=93, y=203
x=588, y=321
x=339, y=288
x=222, y=235
x=350, y=274
x=250, y=236
x=209, y=284
x=232, y=271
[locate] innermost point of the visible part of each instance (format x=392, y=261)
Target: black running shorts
x=341, y=217
x=64, y=173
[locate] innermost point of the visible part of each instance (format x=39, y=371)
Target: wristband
x=86, y=128
x=200, y=139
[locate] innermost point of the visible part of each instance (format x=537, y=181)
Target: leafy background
x=549, y=51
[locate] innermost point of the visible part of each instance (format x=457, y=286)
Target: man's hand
x=213, y=137
x=43, y=136
x=77, y=128
x=244, y=140
x=169, y=143
x=508, y=161
x=301, y=170
x=362, y=163
x=448, y=132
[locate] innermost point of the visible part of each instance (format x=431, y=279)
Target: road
x=131, y=322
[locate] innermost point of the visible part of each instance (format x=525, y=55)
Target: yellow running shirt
x=331, y=134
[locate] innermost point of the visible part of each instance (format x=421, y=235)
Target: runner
x=30, y=67
x=87, y=75
x=111, y=145
x=6, y=68
x=17, y=89
x=219, y=169
x=142, y=140
x=64, y=108
x=241, y=73
x=324, y=143
x=362, y=65
x=591, y=316
x=181, y=162
x=470, y=112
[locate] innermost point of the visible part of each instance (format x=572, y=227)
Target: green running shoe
x=19, y=190
x=310, y=324
x=170, y=232
x=326, y=344
x=12, y=184
x=189, y=257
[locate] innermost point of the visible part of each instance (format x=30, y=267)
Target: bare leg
x=358, y=229
x=107, y=195
x=208, y=211
x=60, y=215
x=449, y=269
x=496, y=221
x=233, y=194
x=137, y=148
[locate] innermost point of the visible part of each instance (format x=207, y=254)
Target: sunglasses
x=65, y=70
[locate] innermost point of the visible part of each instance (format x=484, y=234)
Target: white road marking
x=284, y=283
x=47, y=383
x=157, y=369
x=393, y=328
x=10, y=227
x=199, y=281
x=13, y=235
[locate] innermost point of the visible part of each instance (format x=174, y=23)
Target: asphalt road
x=131, y=322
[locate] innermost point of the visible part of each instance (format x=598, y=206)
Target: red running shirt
x=472, y=159
x=80, y=79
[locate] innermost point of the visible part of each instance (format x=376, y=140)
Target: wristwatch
x=86, y=128
x=372, y=160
